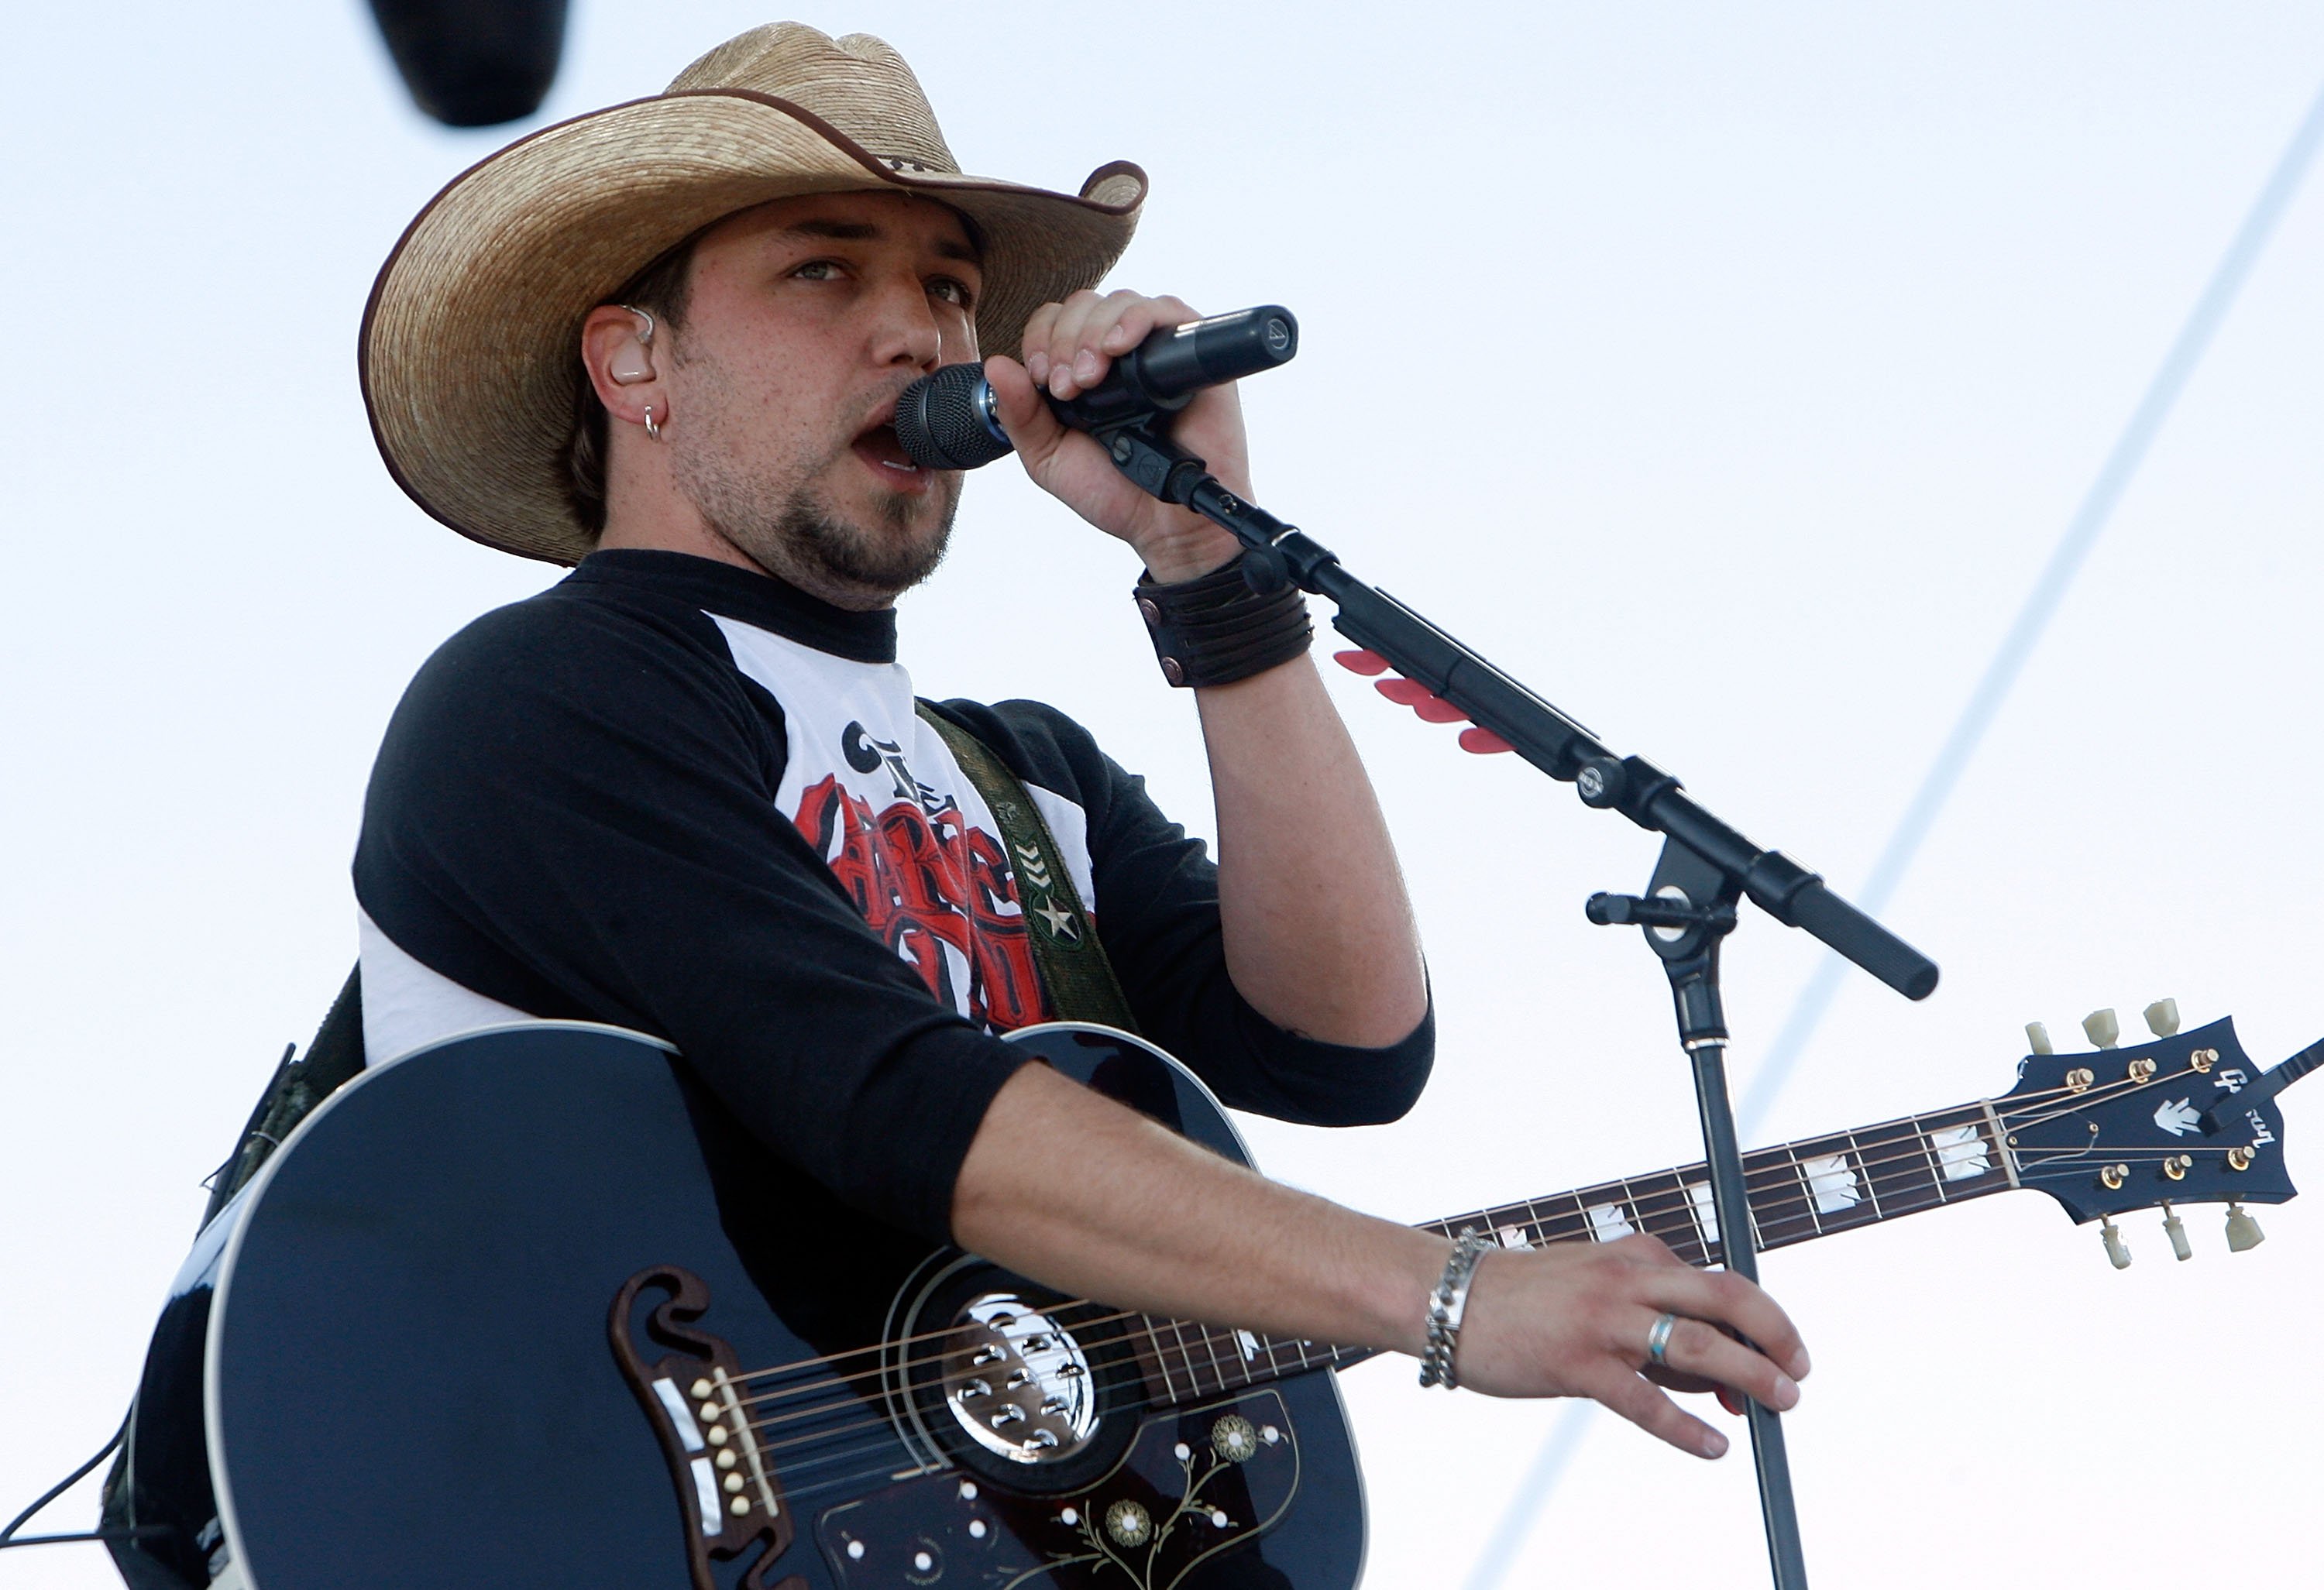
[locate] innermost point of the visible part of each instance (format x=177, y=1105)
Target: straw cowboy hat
x=471, y=344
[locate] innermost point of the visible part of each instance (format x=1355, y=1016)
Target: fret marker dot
x=1270, y=1435
x=1182, y=1451
x=855, y=1550
x=976, y=1528
x=1069, y=1517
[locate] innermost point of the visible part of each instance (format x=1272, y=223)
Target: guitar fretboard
x=1797, y=1192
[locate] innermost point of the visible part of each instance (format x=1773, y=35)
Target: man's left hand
x=1068, y=348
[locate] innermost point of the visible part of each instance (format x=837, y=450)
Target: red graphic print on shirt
x=937, y=891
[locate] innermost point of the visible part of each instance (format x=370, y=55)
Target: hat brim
x=470, y=341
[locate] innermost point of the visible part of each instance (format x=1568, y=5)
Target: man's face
x=805, y=319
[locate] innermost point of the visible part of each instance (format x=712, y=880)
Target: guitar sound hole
x=1029, y=1391
x=1018, y=1383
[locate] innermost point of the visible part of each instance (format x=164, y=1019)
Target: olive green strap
x=1071, y=963
x=301, y=1082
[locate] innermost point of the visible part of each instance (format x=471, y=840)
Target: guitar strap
x=301, y=1082
x=1075, y=976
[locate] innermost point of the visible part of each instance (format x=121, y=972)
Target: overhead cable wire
x=1984, y=702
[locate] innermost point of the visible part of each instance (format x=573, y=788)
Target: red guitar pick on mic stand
x=1430, y=708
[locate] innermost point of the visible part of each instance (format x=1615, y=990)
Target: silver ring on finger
x=1658, y=1338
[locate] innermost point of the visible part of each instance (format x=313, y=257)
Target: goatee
x=892, y=559
x=793, y=533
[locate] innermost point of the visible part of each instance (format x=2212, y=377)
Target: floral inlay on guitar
x=1130, y=1538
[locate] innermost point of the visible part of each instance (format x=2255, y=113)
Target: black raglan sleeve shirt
x=1158, y=919
x=574, y=814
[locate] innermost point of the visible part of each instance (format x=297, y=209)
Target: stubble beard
x=789, y=529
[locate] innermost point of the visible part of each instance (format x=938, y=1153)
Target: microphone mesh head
x=940, y=420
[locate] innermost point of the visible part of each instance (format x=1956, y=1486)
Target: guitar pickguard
x=1194, y=1483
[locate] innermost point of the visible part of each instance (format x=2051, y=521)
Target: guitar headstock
x=2179, y=1118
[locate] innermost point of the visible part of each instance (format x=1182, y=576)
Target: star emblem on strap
x=1061, y=923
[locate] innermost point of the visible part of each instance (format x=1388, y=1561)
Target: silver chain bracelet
x=1447, y=1305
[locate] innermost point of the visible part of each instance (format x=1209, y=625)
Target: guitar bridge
x=693, y=1396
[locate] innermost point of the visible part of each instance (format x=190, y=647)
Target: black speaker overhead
x=472, y=63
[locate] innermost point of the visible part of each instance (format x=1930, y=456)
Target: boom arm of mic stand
x=1535, y=729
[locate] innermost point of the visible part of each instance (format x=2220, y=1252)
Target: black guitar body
x=527, y=1309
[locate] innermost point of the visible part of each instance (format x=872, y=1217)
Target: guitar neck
x=1797, y=1190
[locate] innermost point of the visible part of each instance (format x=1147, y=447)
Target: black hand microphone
x=947, y=420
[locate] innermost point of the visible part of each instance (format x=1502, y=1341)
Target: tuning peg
x=2243, y=1232
x=2038, y=1037
x=2176, y=1230
x=2163, y=1018
x=2116, y=1248
x=2103, y=1029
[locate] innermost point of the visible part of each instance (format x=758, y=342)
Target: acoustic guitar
x=528, y=1309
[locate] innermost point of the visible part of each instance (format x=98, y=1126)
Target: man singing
x=687, y=791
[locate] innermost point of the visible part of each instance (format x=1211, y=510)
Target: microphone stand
x=1705, y=870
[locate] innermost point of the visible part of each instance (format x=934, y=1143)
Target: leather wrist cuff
x=1216, y=628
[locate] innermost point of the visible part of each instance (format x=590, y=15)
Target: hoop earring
x=652, y=430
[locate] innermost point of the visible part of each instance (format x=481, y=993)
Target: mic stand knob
x=1600, y=782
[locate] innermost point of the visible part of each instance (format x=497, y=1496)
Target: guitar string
x=1665, y=1208
x=883, y=1426
x=2100, y=1093
x=1776, y=1173
x=1116, y=1354
x=917, y=1472
x=1663, y=1212
x=1649, y=1211
x=1135, y=1376
x=1242, y=1360
x=792, y=1494
x=890, y=1438
x=1657, y=1214
x=1211, y=1342
x=1766, y=1175
x=891, y=1443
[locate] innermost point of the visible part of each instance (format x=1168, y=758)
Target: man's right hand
x=1574, y=1318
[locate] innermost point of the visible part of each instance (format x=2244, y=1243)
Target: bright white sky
x=1726, y=372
